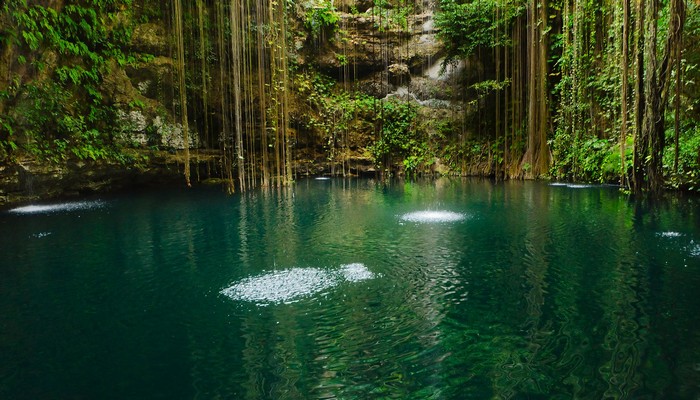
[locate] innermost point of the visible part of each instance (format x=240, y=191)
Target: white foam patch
x=52, y=208
x=322, y=178
x=669, y=234
x=41, y=235
x=291, y=285
x=695, y=250
x=355, y=272
x=571, y=185
x=433, y=216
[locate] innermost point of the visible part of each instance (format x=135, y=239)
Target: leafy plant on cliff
x=392, y=15
x=398, y=136
x=322, y=20
x=332, y=111
x=389, y=125
x=60, y=107
x=464, y=26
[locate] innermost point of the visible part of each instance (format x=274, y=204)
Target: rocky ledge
x=28, y=179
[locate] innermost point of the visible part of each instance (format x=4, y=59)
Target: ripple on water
x=52, y=208
x=433, y=216
x=291, y=285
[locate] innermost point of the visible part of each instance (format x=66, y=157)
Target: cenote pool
x=352, y=289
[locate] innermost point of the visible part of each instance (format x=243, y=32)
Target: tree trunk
x=537, y=154
x=640, y=143
x=653, y=119
x=625, y=83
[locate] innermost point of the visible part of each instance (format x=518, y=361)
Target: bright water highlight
x=61, y=207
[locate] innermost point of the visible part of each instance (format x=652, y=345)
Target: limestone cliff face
x=30, y=179
x=383, y=52
x=370, y=44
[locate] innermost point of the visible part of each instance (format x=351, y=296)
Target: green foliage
x=342, y=59
x=392, y=16
x=392, y=123
x=487, y=87
x=465, y=26
x=52, y=128
x=322, y=19
x=62, y=111
x=688, y=174
x=398, y=136
x=590, y=159
x=333, y=111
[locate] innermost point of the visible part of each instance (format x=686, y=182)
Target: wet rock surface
x=31, y=180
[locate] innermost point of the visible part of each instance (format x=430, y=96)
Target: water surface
x=445, y=289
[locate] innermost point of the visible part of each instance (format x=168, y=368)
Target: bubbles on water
x=291, y=285
x=52, y=208
x=281, y=286
x=40, y=235
x=322, y=178
x=691, y=247
x=669, y=234
x=694, y=249
x=432, y=216
x=355, y=272
x=571, y=185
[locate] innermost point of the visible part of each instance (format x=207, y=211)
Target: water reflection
x=544, y=293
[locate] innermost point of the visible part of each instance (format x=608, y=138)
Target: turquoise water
x=444, y=289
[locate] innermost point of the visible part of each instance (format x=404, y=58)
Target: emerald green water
x=330, y=290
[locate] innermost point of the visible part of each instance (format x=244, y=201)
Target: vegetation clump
x=62, y=109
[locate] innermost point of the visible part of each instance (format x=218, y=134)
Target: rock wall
x=30, y=179
x=373, y=49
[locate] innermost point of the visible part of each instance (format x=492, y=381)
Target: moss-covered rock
x=150, y=38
